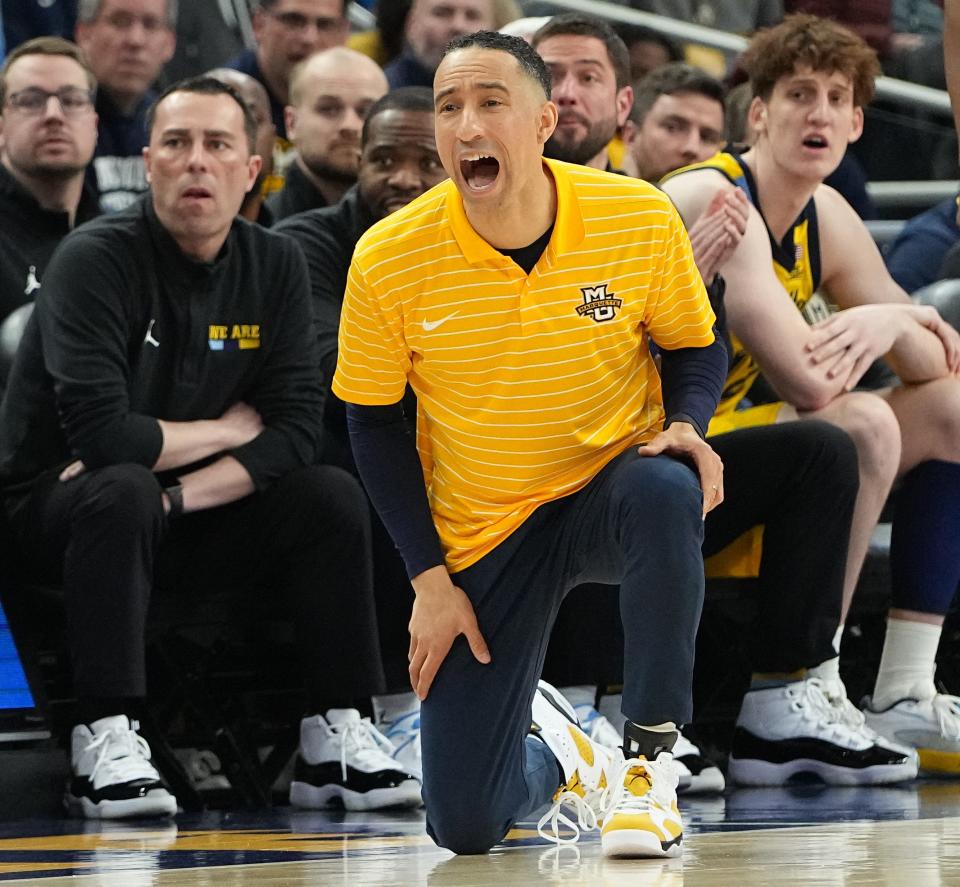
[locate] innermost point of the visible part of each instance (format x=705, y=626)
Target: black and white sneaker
x=344, y=760
x=797, y=728
x=696, y=773
x=113, y=777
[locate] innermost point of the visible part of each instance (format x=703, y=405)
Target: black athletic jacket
x=128, y=330
x=28, y=236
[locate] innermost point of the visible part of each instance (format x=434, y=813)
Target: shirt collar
x=567, y=229
x=177, y=264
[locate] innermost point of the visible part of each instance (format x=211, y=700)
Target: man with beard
x=330, y=94
x=590, y=69
x=49, y=130
x=254, y=95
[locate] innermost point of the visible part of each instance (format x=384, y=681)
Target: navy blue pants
x=637, y=523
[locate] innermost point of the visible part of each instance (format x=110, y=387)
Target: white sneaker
x=113, y=777
x=345, y=760
x=404, y=734
x=836, y=692
x=585, y=764
x=696, y=774
x=639, y=810
x=791, y=729
x=931, y=726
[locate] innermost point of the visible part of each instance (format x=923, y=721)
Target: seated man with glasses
x=287, y=32
x=49, y=132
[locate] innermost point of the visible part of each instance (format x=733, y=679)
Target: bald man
x=330, y=94
x=255, y=97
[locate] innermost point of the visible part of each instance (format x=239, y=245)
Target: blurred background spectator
x=24, y=19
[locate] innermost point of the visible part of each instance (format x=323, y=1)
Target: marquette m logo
x=599, y=303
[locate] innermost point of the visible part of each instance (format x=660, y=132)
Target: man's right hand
x=441, y=611
x=715, y=236
x=242, y=423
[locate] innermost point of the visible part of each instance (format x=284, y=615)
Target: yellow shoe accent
x=640, y=815
x=583, y=744
x=935, y=761
x=573, y=785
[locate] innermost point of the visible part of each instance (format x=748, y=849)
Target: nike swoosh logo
x=430, y=326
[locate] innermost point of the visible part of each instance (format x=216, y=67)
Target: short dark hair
x=576, y=24
x=670, y=79
x=205, y=85
x=46, y=46
x=530, y=63
x=404, y=98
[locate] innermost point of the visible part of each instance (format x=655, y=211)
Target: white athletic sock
x=829, y=671
x=582, y=694
x=907, y=664
x=386, y=709
x=837, y=638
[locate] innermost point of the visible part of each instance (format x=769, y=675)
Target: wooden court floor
x=807, y=835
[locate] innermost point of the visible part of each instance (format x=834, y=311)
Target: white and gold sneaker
x=587, y=766
x=639, y=810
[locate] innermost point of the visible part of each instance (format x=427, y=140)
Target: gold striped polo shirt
x=527, y=385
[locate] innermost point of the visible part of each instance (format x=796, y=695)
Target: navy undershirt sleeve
x=692, y=378
x=390, y=469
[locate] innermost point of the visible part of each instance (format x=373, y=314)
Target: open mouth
x=197, y=193
x=479, y=171
x=816, y=142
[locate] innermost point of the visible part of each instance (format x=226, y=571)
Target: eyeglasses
x=32, y=101
x=295, y=21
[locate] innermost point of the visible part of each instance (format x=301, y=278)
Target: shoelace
x=586, y=817
x=816, y=705
x=124, y=754
x=366, y=743
x=947, y=710
x=661, y=776
x=847, y=713
x=404, y=730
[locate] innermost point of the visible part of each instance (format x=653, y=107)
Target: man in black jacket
x=164, y=417
x=47, y=146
